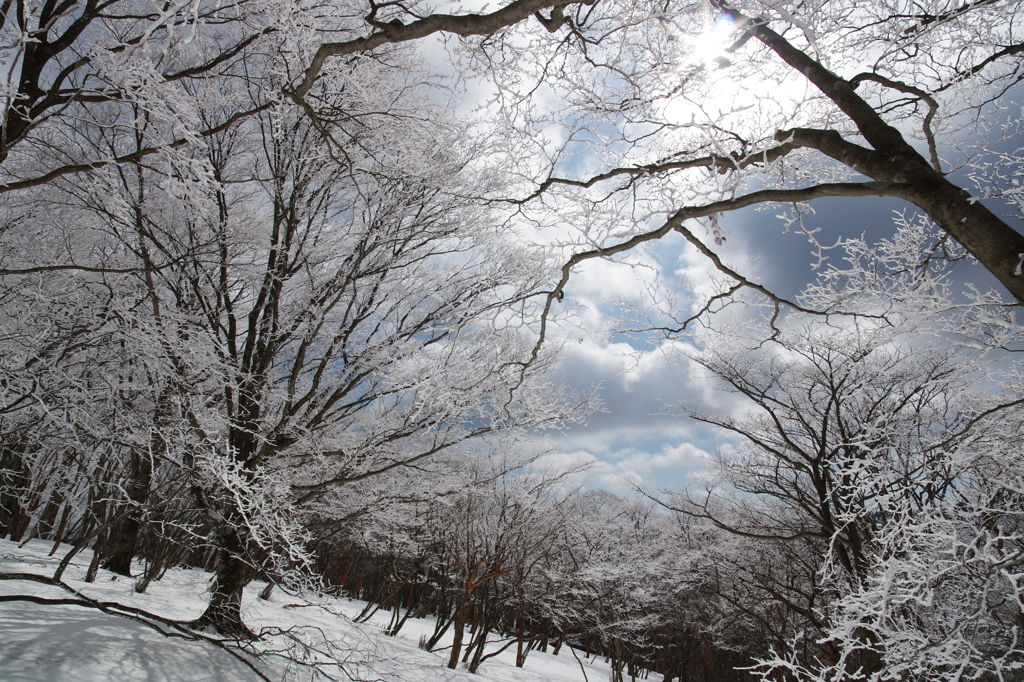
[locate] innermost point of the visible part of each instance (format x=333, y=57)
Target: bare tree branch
x=398, y=32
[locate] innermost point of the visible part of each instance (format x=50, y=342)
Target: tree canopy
x=280, y=277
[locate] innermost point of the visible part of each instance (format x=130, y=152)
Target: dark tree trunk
x=397, y=619
x=523, y=644
x=870, y=659
x=22, y=520
x=97, y=555
x=59, y=535
x=224, y=613
x=14, y=477
x=48, y=519
x=152, y=572
x=460, y=626
x=127, y=533
x=440, y=628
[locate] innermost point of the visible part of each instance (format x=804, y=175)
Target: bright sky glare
x=711, y=43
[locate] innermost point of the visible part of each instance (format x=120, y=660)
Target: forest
x=284, y=285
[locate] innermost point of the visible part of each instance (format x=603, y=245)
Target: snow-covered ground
x=69, y=642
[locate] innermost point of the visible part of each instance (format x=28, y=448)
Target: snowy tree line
x=273, y=303
x=257, y=345
x=869, y=516
x=866, y=524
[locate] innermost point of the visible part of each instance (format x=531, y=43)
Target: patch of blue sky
x=638, y=437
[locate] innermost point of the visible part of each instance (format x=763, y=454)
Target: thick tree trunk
x=126, y=536
x=224, y=613
x=460, y=626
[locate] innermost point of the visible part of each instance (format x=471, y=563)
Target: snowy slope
x=46, y=642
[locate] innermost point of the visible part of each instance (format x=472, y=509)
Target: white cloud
x=602, y=281
x=684, y=455
x=617, y=467
x=565, y=461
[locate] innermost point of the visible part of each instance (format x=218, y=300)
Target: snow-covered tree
x=712, y=107
x=253, y=268
x=311, y=320
x=884, y=445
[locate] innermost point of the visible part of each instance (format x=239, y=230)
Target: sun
x=709, y=47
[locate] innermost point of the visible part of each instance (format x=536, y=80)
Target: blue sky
x=635, y=439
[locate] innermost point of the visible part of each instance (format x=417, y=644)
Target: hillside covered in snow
x=302, y=638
